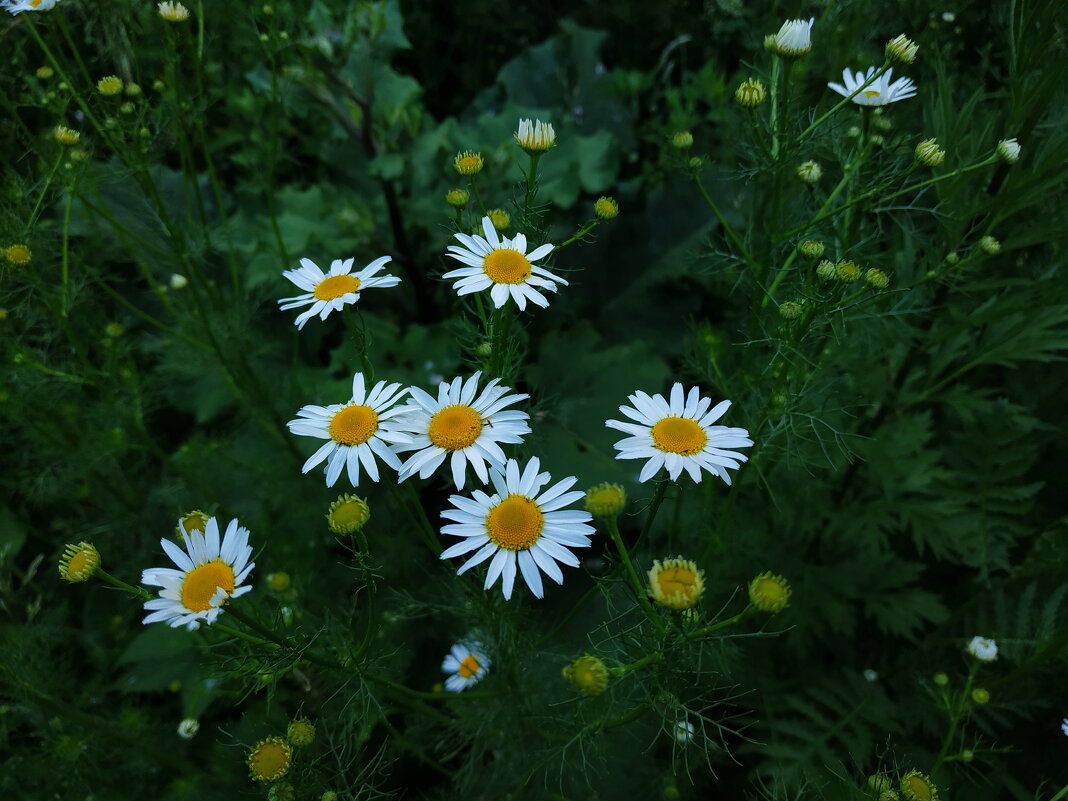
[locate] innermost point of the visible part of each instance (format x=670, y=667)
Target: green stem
x=820, y=120
x=623, y=670
x=726, y=226
x=140, y=592
x=654, y=506
x=776, y=69
x=581, y=232
x=478, y=197
x=532, y=189
x=64, y=297
x=722, y=624
x=636, y=583
x=956, y=715
x=40, y=198
x=242, y=635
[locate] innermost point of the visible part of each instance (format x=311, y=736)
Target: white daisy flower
x=468, y=665
x=535, y=136
x=1064, y=726
x=460, y=427
x=794, y=37
x=519, y=525
x=16, y=6
x=679, y=435
x=357, y=431
x=327, y=292
x=684, y=731
x=502, y=266
x=879, y=92
x=208, y=575
x=983, y=649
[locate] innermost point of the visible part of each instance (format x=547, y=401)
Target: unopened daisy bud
x=1008, y=150
x=173, y=12
x=769, y=593
x=484, y=349
x=879, y=782
x=941, y=679
x=606, y=208
x=188, y=728
x=967, y=755
x=278, y=582
x=133, y=90
x=770, y=44
x=882, y=122
x=929, y=154
x=77, y=154
x=983, y=649
x=109, y=85
x=853, y=131
x=794, y=38
x=300, y=733
x=457, y=197
x=902, y=49
x=195, y=520
x=535, y=137
x=588, y=674
x=468, y=162
x=44, y=73
x=790, y=310
x=79, y=562
x=981, y=695
x=952, y=258
x=682, y=140
x=281, y=791
x=606, y=500
x=67, y=137
x=127, y=108
x=825, y=270
x=751, y=93
x=989, y=245
x=269, y=759
x=877, y=139
x=846, y=271
x=876, y=279
x=676, y=583
x=500, y=219
x=811, y=248
x=178, y=281
x=114, y=330
x=915, y=786
x=348, y=514
x=683, y=731
x=809, y=171
x=19, y=255
x=158, y=85
x=329, y=795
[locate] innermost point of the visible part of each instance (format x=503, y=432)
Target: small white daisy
x=879, y=92
x=502, y=266
x=679, y=435
x=460, y=427
x=208, y=575
x=535, y=136
x=520, y=526
x=468, y=665
x=15, y=6
x=983, y=649
x=684, y=731
x=794, y=37
x=1064, y=726
x=327, y=292
x=357, y=431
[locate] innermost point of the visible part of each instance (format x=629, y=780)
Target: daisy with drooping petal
x=327, y=292
x=208, y=575
x=467, y=663
x=460, y=427
x=502, y=266
x=356, y=431
x=879, y=92
x=16, y=6
x=519, y=526
x=679, y=435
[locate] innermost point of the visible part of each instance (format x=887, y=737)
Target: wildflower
x=676, y=583
x=535, y=137
x=356, y=431
x=902, y=49
x=751, y=93
x=794, y=38
x=269, y=759
x=110, y=85
x=682, y=140
x=811, y=248
x=44, y=73
x=879, y=92
x=500, y=219
x=173, y=12
x=825, y=270
x=195, y=520
x=19, y=255
x=846, y=271
x=606, y=500
x=16, y=6
x=588, y=674
x=983, y=649
x=948, y=16
x=348, y=514
x=1008, y=150
x=468, y=163
x=876, y=279
x=457, y=197
x=683, y=732
x=1064, y=726
x=502, y=266
x=468, y=665
x=606, y=208
x=809, y=171
x=67, y=137
x=941, y=679
x=769, y=593
x=990, y=245
x=929, y=154
x=300, y=732
x=679, y=435
x=519, y=525
x=790, y=310
x=917, y=787
x=188, y=728
x=79, y=562
x=981, y=695
x=178, y=281
x=278, y=582
x=332, y=292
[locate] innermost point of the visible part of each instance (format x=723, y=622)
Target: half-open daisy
x=679, y=435
x=208, y=575
x=460, y=427
x=519, y=526
x=878, y=93
x=327, y=292
x=502, y=266
x=468, y=663
x=356, y=432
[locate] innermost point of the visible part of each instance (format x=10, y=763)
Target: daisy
x=460, y=427
x=535, y=136
x=467, y=663
x=679, y=435
x=15, y=6
x=983, y=649
x=503, y=266
x=327, y=292
x=208, y=575
x=879, y=92
x=519, y=525
x=794, y=37
x=356, y=431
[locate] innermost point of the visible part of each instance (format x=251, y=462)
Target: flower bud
x=929, y=154
x=825, y=270
x=588, y=674
x=1008, y=150
x=606, y=208
x=790, y=310
x=811, y=248
x=468, y=163
x=769, y=593
x=902, y=49
x=809, y=171
x=109, y=85
x=846, y=271
x=682, y=140
x=989, y=244
x=876, y=279
x=751, y=93
x=457, y=197
x=606, y=500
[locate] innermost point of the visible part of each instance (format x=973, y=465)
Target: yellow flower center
x=269, y=760
x=455, y=427
x=770, y=591
x=871, y=93
x=506, y=266
x=19, y=254
x=201, y=583
x=194, y=521
x=679, y=580
x=353, y=425
x=515, y=523
x=468, y=667
x=335, y=286
x=349, y=515
x=469, y=163
x=679, y=435
x=917, y=787
x=35, y=3
x=79, y=562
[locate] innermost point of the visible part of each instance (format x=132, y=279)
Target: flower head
x=588, y=674
x=44, y=73
x=876, y=279
x=110, y=85
x=523, y=528
x=929, y=154
x=769, y=593
x=811, y=248
x=809, y=171
x=983, y=649
x=457, y=197
x=355, y=432
x=188, y=728
x=794, y=38
x=502, y=266
x=467, y=663
x=790, y=310
x=678, y=433
x=300, y=732
x=981, y=695
x=683, y=731
x=676, y=583
x=348, y=514
x=915, y=786
x=68, y=137
x=195, y=520
x=879, y=92
x=19, y=255
x=468, y=162
x=278, y=581
x=902, y=49
x=751, y=93
x=269, y=759
x=606, y=208
x=79, y=562
x=209, y=573
x=327, y=292
x=606, y=500
x=500, y=219
x=535, y=137
x=16, y=6
x=1008, y=150
x=989, y=245
x=178, y=281
x=846, y=271
x=173, y=12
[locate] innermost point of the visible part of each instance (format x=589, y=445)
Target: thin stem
x=40, y=198
x=654, y=506
x=956, y=715
x=636, y=583
x=64, y=296
x=140, y=592
x=727, y=229
x=478, y=197
x=579, y=234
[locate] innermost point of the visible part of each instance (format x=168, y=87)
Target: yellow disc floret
x=915, y=786
x=336, y=286
x=269, y=759
x=606, y=500
x=769, y=593
x=79, y=562
x=66, y=136
x=348, y=514
x=455, y=427
x=588, y=674
x=300, y=733
x=469, y=667
x=19, y=255
x=109, y=85
x=195, y=520
x=676, y=583
x=353, y=424
x=679, y=435
x=515, y=523
x=202, y=583
x=468, y=162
